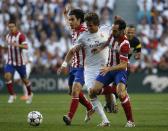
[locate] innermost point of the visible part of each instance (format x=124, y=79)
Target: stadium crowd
x=43, y=24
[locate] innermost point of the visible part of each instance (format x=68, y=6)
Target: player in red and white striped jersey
x=116, y=69
x=16, y=43
x=76, y=75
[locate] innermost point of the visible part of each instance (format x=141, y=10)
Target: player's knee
x=121, y=90
x=26, y=81
x=76, y=89
x=92, y=92
x=8, y=76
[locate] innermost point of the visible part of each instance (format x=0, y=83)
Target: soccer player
x=135, y=52
x=75, y=19
x=29, y=55
x=116, y=69
x=16, y=61
x=89, y=40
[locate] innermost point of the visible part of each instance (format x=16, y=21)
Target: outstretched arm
x=68, y=57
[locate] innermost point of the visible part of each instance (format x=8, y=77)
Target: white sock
x=25, y=90
x=99, y=109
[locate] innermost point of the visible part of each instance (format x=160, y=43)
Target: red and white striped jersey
x=78, y=58
x=15, y=54
x=118, y=50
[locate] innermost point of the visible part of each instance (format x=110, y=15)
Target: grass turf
x=150, y=113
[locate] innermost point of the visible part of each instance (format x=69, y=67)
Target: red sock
x=108, y=90
x=10, y=87
x=84, y=101
x=127, y=108
x=73, y=106
x=28, y=87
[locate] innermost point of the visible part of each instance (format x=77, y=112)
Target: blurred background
x=48, y=34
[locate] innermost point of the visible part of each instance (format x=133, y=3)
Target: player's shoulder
x=135, y=41
x=83, y=35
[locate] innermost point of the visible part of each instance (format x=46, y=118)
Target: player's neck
x=14, y=33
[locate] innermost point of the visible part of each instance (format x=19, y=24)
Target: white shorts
x=28, y=70
x=90, y=76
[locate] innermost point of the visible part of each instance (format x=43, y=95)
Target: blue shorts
x=20, y=69
x=113, y=76
x=76, y=75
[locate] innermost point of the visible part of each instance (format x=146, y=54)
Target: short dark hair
x=131, y=26
x=12, y=20
x=92, y=17
x=78, y=13
x=121, y=23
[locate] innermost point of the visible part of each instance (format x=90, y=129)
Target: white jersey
x=93, y=62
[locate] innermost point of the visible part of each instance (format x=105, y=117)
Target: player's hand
x=104, y=70
x=61, y=69
x=67, y=9
x=95, y=50
x=14, y=44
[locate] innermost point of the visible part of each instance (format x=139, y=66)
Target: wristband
x=64, y=64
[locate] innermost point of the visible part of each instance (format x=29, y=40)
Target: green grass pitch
x=150, y=113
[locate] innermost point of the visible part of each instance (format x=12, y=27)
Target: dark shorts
x=76, y=75
x=113, y=76
x=20, y=69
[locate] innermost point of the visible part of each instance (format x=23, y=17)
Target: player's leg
x=94, y=91
x=120, y=80
x=9, y=71
x=97, y=104
x=22, y=72
x=25, y=92
x=111, y=105
x=77, y=96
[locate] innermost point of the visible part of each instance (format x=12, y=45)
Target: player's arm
x=68, y=57
x=124, y=51
x=22, y=42
x=102, y=46
x=65, y=12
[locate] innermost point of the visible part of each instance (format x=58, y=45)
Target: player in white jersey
x=89, y=40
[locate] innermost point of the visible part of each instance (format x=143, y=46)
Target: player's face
x=115, y=30
x=92, y=28
x=12, y=27
x=73, y=21
x=130, y=32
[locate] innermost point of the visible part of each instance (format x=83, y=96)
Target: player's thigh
x=22, y=71
x=9, y=71
x=105, y=79
x=79, y=76
x=71, y=78
x=121, y=80
x=76, y=88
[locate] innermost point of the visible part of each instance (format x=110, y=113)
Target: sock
x=127, y=108
x=28, y=86
x=108, y=90
x=84, y=101
x=99, y=109
x=25, y=92
x=9, y=85
x=73, y=106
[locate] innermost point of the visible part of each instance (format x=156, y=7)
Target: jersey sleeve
x=138, y=47
x=22, y=39
x=124, y=51
x=79, y=41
